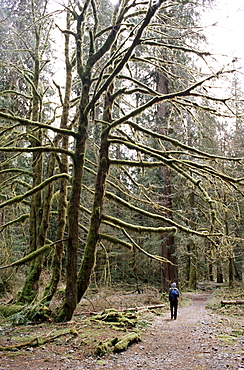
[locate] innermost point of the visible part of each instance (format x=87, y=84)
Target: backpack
x=173, y=294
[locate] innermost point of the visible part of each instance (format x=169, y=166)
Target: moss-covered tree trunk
x=31, y=285
x=191, y=247
x=220, y=278
x=63, y=190
x=76, y=288
x=192, y=266
x=231, y=272
x=51, y=288
x=89, y=257
x=88, y=261
x=210, y=271
x=169, y=272
x=70, y=301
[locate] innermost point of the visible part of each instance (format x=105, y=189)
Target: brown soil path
x=189, y=343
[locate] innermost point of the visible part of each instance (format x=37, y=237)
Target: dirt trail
x=189, y=343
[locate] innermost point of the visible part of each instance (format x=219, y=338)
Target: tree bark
x=63, y=190
x=31, y=285
x=231, y=272
x=88, y=261
x=169, y=273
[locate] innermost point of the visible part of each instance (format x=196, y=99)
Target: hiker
x=174, y=295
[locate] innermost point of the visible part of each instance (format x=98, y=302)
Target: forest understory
x=206, y=334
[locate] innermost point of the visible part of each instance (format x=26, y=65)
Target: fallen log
x=223, y=303
x=40, y=340
x=117, y=345
x=152, y=307
x=144, y=307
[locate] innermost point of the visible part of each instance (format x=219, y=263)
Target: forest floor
x=204, y=336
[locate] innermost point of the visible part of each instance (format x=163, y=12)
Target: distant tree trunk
x=210, y=269
x=238, y=273
x=231, y=272
x=192, y=273
x=169, y=273
x=168, y=250
x=192, y=248
x=220, y=278
x=134, y=262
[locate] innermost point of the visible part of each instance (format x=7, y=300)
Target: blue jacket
x=173, y=294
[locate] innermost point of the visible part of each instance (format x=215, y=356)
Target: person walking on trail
x=174, y=295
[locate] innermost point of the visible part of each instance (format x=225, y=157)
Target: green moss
x=126, y=341
x=116, y=318
x=106, y=347
x=18, y=353
x=227, y=338
x=116, y=344
x=9, y=310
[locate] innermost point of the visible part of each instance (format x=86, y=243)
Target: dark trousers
x=173, y=308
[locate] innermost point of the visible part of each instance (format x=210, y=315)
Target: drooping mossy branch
x=155, y=257
x=30, y=257
x=188, y=105
x=113, y=221
x=145, y=87
x=161, y=98
x=172, y=162
x=159, y=64
x=27, y=122
x=18, y=93
x=19, y=198
x=21, y=172
x=9, y=180
x=5, y=129
x=177, y=166
x=14, y=180
x=36, y=149
x=123, y=189
x=212, y=171
x=179, y=144
x=182, y=47
x=109, y=238
x=117, y=187
x=131, y=163
x=155, y=216
x=123, y=243
x=20, y=219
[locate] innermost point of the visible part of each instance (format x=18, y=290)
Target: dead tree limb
x=223, y=303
